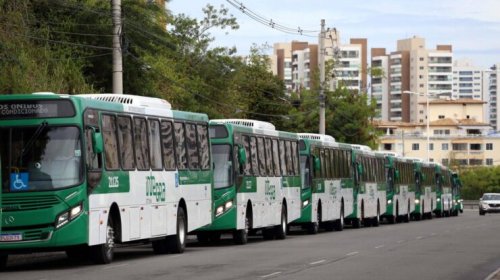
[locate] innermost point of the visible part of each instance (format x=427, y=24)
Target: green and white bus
x=443, y=192
x=425, y=194
x=400, y=189
x=369, y=187
x=85, y=173
x=256, y=180
x=456, y=186
x=327, y=185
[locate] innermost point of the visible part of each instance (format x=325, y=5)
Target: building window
x=459, y=147
x=475, y=147
x=445, y=161
x=421, y=58
x=421, y=85
x=489, y=161
x=431, y=146
x=475, y=162
x=431, y=160
x=415, y=147
x=387, y=147
x=444, y=146
x=441, y=117
x=421, y=67
x=489, y=146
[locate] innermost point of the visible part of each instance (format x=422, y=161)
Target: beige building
x=414, y=68
x=457, y=134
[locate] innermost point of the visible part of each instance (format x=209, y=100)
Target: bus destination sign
x=36, y=109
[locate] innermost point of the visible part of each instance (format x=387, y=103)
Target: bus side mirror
x=423, y=177
x=242, y=156
x=97, y=143
x=396, y=174
x=360, y=168
x=317, y=164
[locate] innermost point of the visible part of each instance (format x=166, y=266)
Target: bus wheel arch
x=282, y=228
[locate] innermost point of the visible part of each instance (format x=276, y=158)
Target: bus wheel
x=3, y=261
x=376, y=219
x=314, y=226
x=280, y=230
x=339, y=224
x=356, y=223
x=240, y=236
x=104, y=253
x=177, y=243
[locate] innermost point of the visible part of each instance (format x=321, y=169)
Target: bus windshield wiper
x=33, y=138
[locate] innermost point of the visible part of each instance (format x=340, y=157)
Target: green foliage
x=476, y=181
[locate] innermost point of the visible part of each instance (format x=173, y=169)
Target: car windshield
x=40, y=158
x=491, y=197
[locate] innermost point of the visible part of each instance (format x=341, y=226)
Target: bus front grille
x=25, y=203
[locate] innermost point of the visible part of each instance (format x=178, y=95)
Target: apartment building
x=380, y=82
x=457, y=134
x=491, y=92
x=297, y=62
x=413, y=74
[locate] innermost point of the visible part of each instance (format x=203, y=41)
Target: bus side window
x=110, y=142
x=289, y=158
x=125, y=142
x=141, y=144
x=203, y=146
x=295, y=157
x=253, y=152
x=180, y=146
x=269, y=157
x=192, y=147
x=262, y=156
x=154, y=144
x=276, y=158
x=282, y=158
x=167, y=141
x=248, y=165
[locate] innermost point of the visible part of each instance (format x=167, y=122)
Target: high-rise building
x=379, y=82
x=416, y=69
x=491, y=95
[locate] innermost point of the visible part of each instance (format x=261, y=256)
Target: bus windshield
x=223, y=167
x=40, y=158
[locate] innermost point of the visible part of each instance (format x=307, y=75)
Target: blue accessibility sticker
x=19, y=181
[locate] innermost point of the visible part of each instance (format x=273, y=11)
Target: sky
x=472, y=27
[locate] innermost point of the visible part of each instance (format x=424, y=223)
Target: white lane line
x=432, y=234
x=419, y=237
x=114, y=266
x=272, y=274
x=401, y=241
x=352, y=254
x=379, y=246
x=317, y=262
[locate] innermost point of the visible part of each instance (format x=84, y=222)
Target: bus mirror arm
x=97, y=142
x=317, y=164
x=242, y=156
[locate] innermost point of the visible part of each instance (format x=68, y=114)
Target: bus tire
x=280, y=230
x=104, y=253
x=177, y=243
x=314, y=226
x=339, y=224
x=376, y=219
x=240, y=236
x=3, y=261
x=356, y=223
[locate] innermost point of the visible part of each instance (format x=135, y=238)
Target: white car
x=489, y=203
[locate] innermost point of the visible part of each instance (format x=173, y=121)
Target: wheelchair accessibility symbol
x=19, y=181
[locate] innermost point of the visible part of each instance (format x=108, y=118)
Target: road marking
x=379, y=246
x=432, y=234
x=272, y=274
x=114, y=266
x=317, y=262
x=419, y=237
x=352, y=254
x=401, y=241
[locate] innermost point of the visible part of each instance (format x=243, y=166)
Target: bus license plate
x=11, y=237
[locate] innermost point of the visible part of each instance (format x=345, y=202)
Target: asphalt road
x=464, y=247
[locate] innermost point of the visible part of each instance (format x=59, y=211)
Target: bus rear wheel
x=339, y=224
x=104, y=253
x=280, y=230
x=177, y=243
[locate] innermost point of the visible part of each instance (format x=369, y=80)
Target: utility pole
x=322, y=52
x=117, y=48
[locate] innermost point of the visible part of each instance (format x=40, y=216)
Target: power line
x=269, y=22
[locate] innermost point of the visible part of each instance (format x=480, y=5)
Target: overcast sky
x=472, y=27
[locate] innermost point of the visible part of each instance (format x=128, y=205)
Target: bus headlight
x=228, y=205
x=389, y=201
x=438, y=199
x=305, y=203
x=219, y=210
x=68, y=216
x=417, y=201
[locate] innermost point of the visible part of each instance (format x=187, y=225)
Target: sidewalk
x=494, y=276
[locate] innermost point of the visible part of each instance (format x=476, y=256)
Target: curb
x=493, y=275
